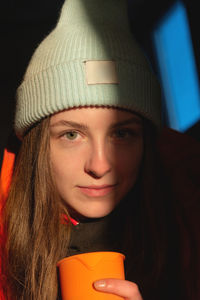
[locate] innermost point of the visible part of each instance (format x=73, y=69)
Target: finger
x=123, y=288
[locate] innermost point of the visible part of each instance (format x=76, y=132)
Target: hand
x=123, y=288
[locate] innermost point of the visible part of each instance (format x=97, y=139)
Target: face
x=95, y=155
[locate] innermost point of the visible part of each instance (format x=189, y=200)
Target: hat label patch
x=101, y=72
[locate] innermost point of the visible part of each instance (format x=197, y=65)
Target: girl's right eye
x=70, y=135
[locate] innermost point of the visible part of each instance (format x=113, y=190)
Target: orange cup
x=78, y=272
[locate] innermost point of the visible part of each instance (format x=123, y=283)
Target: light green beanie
x=89, y=59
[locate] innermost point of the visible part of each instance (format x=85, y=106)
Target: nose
x=98, y=164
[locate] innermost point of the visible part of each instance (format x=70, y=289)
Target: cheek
x=66, y=165
x=60, y=165
x=63, y=169
x=129, y=162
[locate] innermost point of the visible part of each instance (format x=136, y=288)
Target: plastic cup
x=78, y=272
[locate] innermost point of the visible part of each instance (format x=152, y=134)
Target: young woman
x=88, y=175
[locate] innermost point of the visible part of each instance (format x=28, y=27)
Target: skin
x=126, y=289
x=104, y=147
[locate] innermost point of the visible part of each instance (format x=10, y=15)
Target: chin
x=93, y=209
x=97, y=213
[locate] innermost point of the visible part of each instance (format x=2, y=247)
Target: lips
x=97, y=190
x=98, y=187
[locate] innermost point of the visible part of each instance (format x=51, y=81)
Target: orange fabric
x=6, y=175
x=5, y=179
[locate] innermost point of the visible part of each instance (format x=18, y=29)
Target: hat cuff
x=64, y=86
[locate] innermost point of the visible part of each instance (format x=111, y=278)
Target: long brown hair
x=36, y=237
x=154, y=227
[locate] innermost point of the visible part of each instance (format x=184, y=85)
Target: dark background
x=24, y=23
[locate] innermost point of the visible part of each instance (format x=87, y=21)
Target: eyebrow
x=83, y=126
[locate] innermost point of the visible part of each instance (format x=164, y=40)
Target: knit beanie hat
x=89, y=59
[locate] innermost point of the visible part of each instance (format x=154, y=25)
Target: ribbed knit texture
x=56, y=77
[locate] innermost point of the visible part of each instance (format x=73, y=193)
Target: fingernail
x=100, y=284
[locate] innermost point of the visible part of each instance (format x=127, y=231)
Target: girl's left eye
x=71, y=135
x=123, y=133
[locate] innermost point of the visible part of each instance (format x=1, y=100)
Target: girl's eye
x=123, y=133
x=71, y=135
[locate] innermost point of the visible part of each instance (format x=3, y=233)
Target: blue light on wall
x=178, y=72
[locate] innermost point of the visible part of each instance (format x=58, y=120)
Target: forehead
x=95, y=114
